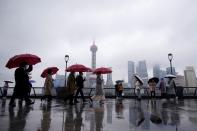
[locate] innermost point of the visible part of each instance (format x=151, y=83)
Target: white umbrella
x=170, y=76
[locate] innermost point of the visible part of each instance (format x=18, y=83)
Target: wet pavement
x=113, y=115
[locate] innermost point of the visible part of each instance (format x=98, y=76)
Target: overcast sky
x=122, y=29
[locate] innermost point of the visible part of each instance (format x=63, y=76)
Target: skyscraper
x=190, y=77
x=131, y=71
x=141, y=70
x=168, y=70
x=93, y=49
x=156, y=71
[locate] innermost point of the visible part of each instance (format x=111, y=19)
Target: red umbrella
x=17, y=59
x=78, y=68
x=102, y=70
x=53, y=69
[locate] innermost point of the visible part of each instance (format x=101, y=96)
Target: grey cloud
x=127, y=30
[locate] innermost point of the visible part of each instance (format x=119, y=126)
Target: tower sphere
x=93, y=48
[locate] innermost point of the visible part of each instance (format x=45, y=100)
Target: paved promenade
x=113, y=115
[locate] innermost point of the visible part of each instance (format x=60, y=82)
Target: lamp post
x=170, y=57
x=66, y=60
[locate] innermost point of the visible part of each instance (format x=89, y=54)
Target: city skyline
x=123, y=31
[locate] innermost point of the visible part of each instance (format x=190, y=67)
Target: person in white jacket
x=137, y=88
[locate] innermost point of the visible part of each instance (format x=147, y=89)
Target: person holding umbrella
x=138, y=85
x=48, y=85
x=99, y=93
x=21, y=84
x=79, y=81
x=162, y=87
x=171, y=88
x=5, y=88
x=152, y=85
x=71, y=86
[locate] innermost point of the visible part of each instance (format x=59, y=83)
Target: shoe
x=29, y=103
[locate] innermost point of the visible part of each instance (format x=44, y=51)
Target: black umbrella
x=139, y=79
x=119, y=81
x=155, y=79
x=155, y=119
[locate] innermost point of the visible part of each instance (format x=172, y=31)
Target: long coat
x=71, y=83
x=170, y=88
x=22, y=80
x=48, y=85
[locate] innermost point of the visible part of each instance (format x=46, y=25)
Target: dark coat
x=22, y=80
x=80, y=81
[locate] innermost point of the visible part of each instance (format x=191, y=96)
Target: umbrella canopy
x=155, y=119
x=8, y=82
x=78, y=68
x=170, y=76
x=17, y=59
x=155, y=79
x=139, y=79
x=119, y=81
x=53, y=69
x=102, y=70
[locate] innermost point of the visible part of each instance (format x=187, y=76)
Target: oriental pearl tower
x=93, y=49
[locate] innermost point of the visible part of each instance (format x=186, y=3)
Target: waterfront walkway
x=113, y=115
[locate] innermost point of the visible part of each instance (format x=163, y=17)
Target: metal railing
x=110, y=92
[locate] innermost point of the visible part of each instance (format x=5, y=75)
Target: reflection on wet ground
x=113, y=115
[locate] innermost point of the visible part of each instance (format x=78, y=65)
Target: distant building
x=180, y=80
x=156, y=71
x=131, y=72
x=168, y=70
x=190, y=77
x=162, y=73
x=141, y=70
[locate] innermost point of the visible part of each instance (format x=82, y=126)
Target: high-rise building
x=131, y=72
x=141, y=70
x=168, y=70
x=180, y=80
x=190, y=77
x=162, y=73
x=156, y=71
x=93, y=49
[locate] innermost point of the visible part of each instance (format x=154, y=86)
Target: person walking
x=79, y=81
x=138, y=88
x=152, y=85
x=120, y=90
x=162, y=87
x=21, y=84
x=5, y=89
x=48, y=85
x=71, y=86
x=99, y=93
x=171, y=89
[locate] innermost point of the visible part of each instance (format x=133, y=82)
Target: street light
x=170, y=57
x=66, y=60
